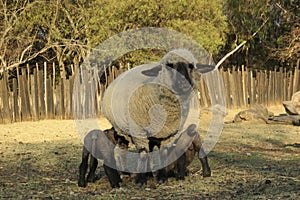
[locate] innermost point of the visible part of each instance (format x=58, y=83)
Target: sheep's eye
x=171, y=65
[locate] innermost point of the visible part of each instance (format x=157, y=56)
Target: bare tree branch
x=31, y=57
x=240, y=45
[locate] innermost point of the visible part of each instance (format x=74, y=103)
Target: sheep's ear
x=202, y=69
x=152, y=72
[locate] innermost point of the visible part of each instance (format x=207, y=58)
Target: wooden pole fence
x=36, y=94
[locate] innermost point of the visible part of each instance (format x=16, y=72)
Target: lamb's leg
x=181, y=167
x=113, y=176
x=93, y=166
x=162, y=176
x=204, y=162
x=202, y=156
x=83, y=168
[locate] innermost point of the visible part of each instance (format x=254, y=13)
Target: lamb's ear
x=152, y=72
x=202, y=69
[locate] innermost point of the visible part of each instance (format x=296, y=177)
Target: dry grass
x=39, y=160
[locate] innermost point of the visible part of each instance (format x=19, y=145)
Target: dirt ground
x=39, y=160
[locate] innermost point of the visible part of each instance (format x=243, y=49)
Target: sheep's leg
x=93, y=166
x=162, y=176
x=141, y=178
x=204, y=162
x=83, y=168
x=181, y=167
x=113, y=176
x=154, y=144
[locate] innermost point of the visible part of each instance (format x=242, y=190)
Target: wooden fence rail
x=41, y=92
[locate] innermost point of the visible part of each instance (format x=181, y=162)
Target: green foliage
x=65, y=31
x=276, y=42
x=68, y=29
x=201, y=20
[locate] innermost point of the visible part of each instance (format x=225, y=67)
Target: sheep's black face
x=182, y=76
x=177, y=76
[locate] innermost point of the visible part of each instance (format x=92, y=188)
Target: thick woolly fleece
x=149, y=110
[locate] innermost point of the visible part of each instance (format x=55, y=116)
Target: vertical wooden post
x=53, y=75
x=67, y=98
x=296, y=80
x=238, y=81
x=244, y=92
x=106, y=77
x=249, y=96
x=231, y=88
x=281, y=85
x=24, y=92
x=37, y=91
x=1, y=101
x=203, y=94
x=110, y=74
x=277, y=84
x=114, y=69
x=45, y=89
x=290, y=91
x=16, y=110
x=28, y=76
x=99, y=99
x=274, y=86
x=72, y=78
x=250, y=77
x=227, y=88
x=284, y=86
x=41, y=92
x=62, y=99
x=258, y=96
x=6, y=117
x=265, y=91
x=269, y=91
x=50, y=110
x=72, y=68
x=34, y=96
x=247, y=89
x=19, y=94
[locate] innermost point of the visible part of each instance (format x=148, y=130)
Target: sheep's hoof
x=141, y=180
x=149, y=175
x=91, y=179
x=115, y=185
x=82, y=183
x=206, y=173
x=181, y=178
x=162, y=181
x=187, y=172
x=141, y=185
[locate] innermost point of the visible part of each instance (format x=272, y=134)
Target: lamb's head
x=175, y=70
